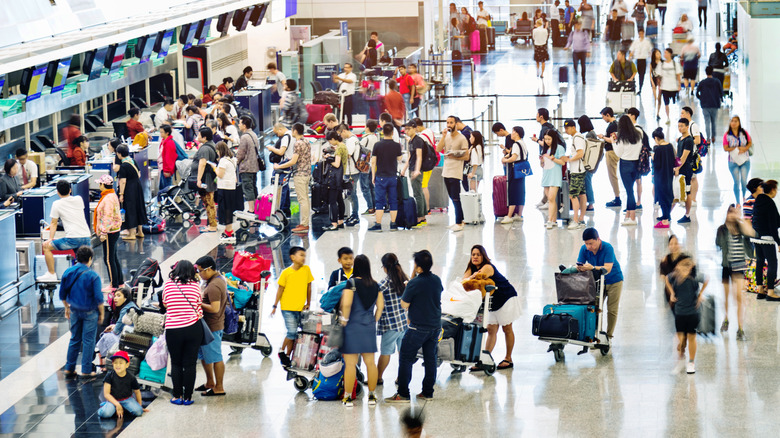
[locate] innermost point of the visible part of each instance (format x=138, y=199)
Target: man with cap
x=597, y=254
x=608, y=115
x=574, y=153
x=119, y=386
x=214, y=301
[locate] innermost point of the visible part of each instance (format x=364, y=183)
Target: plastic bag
x=457, y=302
x=157, y=356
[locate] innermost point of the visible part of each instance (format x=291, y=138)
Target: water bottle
x=122, y=213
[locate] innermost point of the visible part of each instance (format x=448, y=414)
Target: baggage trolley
x=270, y=227
x=599, y=341
x=250, y=321
x=485, y=361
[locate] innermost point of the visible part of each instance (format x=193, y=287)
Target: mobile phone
x=580, y=263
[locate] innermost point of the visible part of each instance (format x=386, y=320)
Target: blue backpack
x=330, y=299
x=328, y=388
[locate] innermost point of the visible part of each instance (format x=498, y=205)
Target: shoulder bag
x=207, y=336
x=521, y=168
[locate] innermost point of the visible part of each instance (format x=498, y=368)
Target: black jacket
x=9, y=187
x=766, y=219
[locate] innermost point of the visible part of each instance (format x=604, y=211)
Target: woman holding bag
x=183, y=328
x=738, y=144
x=518, y=154
x=131, y=195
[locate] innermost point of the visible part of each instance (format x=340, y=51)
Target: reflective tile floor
x=629, y=392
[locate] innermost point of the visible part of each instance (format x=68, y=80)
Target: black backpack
x=150, y=268
x=244, y=112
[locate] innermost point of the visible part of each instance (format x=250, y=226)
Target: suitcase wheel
x=301, y=384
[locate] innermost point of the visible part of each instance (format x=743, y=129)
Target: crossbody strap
x=67, y=291
x=188, y=300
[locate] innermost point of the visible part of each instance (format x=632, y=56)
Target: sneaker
x=540, y=204
x=227, y=239
x=422, y=396
x=371, y=399
x=740, y=335
x=456, y=227
x=693, y=204
x=507, y=220
x=376, y=227
x=369, y=211
x=422, y=223
x=725, y=326
x=684, y=220
x=351, y=222
x=542, y=207
x=660, y=225
x=397, y=399
x=301, y=230
x=590, y=208
x=628, y=222
x=638, y=207
x=614, y=203
x=549, y=225
x=284, y=359
x=393, y=226
x=347, y=402
x=518, y=218
x=330, y=228
x=690, y=368
x=574, y=225
x=49, y=277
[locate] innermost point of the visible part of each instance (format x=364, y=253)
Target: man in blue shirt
x=422, y=299
x=596, y=254
x=80, y=292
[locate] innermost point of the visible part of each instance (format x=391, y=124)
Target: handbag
x=248, y=266
x=208, y=337
x=521, y=168
x=157, y=356
x=149, y=322
x=336, y=335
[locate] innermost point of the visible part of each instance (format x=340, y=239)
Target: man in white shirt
x=69, y=209
x=380, y=47
x=687, y=113
x=165, y=114
x=27, y=177
x=346, y=81
x=640, y=50
x=350, y=170
x=622, y=9
x=483, y=16
x=574, y=153
x=370, y=138
x=284, y=148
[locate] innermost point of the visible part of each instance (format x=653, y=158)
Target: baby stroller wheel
x=242, y=235
x=186, y=216
x=186, y=224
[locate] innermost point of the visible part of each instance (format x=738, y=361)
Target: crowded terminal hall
x=373, y=218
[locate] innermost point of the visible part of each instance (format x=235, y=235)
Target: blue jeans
x=710, y=119
x=292, y=320
x=367, y=187
x=107, y=410
x=406, y=103
x=165, y=181
x=589, y=188
x=740, y=175
x=629, y=175
x=386, y=188
x=453, y=190
x=353, y=197
x=415, y=339
x=83, y=329
x=74, y=243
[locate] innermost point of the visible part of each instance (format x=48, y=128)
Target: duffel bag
x=555, y=325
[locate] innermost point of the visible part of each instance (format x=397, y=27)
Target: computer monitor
x=93, y=63
x=37, y=76
x=143, y=48
x=257, y=13
x=163, y=43
x=241, y=19
x=57, y=74
x=114, y=57
x=187, y=34
x=2, y=83
x=223, y=22
x=203, y=30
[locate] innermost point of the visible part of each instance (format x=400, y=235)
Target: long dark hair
x=127, y=293
x=627, y=131
x=653, y=62
x=479, y=140
x=183, y=272
x=362, y=270
x=395, y=272
x=740, y=130
x=556, y=139
x=485, y=259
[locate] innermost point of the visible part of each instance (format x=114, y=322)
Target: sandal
x=508, y=365
x=210, y=393
x=201, y=388
x=475, y=369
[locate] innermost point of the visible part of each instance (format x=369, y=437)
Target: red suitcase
x=317, y=112
x=500, y=196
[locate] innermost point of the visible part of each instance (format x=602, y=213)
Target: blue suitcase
x=586, y=316
x=470, y=345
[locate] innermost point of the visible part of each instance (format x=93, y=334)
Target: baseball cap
x=569, y=123
x=121, y=355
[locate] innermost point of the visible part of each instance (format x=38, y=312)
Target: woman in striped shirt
x=733, y=239
x=183, y=332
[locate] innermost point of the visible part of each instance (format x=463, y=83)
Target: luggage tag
x=326, y=319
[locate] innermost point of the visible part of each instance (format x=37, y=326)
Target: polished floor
x=629, y=392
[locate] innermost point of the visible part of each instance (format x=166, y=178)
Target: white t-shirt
x=578, y=143
x=70, y=211
x=668, y=72
x=162, y=117
x=641, y=49
x=519, y=149
x=31, y=169
x=694, y=128
x=483, y=16
x=368, y=141
x=540, y=35
x=228, y=181
x=622, y=8
x=476, y=158
x=349, y=89
x=287, y=141
x=231, y=136
x=352, y=144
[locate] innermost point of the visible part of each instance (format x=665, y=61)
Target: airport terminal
x=295, y=218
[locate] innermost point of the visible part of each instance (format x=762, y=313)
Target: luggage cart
x=270, y=227
x=599, y=339
x=485, y=362
x=250, y=321
x=678, y=41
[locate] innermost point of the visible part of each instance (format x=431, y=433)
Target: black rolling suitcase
x=564, y=202
x=135, y=344
x=457, y=56
x=491, y=37
x=483, y=40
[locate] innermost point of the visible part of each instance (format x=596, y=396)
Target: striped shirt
x=747, y=208
x=736, y=249
x=179, y=312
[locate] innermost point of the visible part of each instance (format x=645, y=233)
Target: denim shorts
x=292, y=320
x=67, y=243
x=212, y=353
x=391, y=341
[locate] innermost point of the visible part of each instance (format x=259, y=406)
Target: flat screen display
x=118, y=56
x=63, y=68
x=187, y=34
x=2, y=83
x=203, y=30
x=96, y=69
x=165, y=44
x=144, y=52
x=36, y=82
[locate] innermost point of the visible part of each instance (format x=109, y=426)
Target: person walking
x=83, y=300
x=703, y=12
x=540, y=35
x=107, y=222
x=690, y=55
x=663, y=176
x=670, y=73
x=719, y=63
x=454, y=147
x=656, y=58
x=131, y=195
x=183, y=330
x=580, y=46
x=710, y=95
x=737, y=143
x=518, y=153
x=733, y=239
x=687, y=298
x=766, y=221
x=393, y=322
x=597, y=254
x=640, y=50
x=213, y=304
x=662, y=10
x=612, y=32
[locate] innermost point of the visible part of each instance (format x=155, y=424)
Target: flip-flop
x=475, y=369
x=211, y=393
x=206, y=230
x=201, y=388
x=505, y=367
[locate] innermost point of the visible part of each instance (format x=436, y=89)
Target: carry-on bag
x=472, y=207
x=500, y=197
x=135, y=344
x=470, y=345
x=707, y=325
x=576, y=288
x=248, y=266
x=586, y=317
x=555, y=325
x=316, y=113
x=305, y=351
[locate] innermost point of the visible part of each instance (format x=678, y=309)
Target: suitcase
x=305, y=352
x=555, y=325
x=316, y=112
x=437, y=190
x=563, y=74
x=319, y=204
x=134, y=367
x=500, y=196
x=263, y=206
x=403, y=188
x=457, y=56
x=472, y=207
x=146, y=373
x=469, y=346
x=491, y=37
x=620, y=101
x=248, y=330
x=564, y=202
x=586, y=317
x=651, y=28
x=707, y=324
x=483, y=40
x=407, y=214
x=135, y=344
x=627, y=30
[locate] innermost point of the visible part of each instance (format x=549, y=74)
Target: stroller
x=179, y=203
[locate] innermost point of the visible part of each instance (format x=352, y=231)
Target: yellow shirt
x=295, y=284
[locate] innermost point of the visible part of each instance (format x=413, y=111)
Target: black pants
x=703, y=11
x=641, y=68
x=111, y=259
x=580, y=57
x=662, y=11
x=453, y=190
x=347, y=109
x=415, y=108
x=766, y=255
x=183, y=345
x=336, y=204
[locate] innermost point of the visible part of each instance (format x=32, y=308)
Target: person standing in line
x=573, y=158
x=634, y=113
x=640, y=50
x=107, y=222
x=663, y=176
x=393, y=322
x=670, y=73
x=586, y=129
x=214, y=301
x=569, y=16
x=301, y=164
x=430, y=138
x=414, y=168
x=168, y=157
x=420, y=87
x=543, y=118
x=246, y=156
x=351, y=174
x=384, y=168
x=131, y=195
x=282, y=150
x=516, y=186
x=369, y=140
x=422, y=300
x=83, y=300
x=685, y=148
x=474, y=171
x=687, y=298
x=229, y=197
x=334, y=159
x=483, y=16
x=737, y=143
x=205, y=181
x=580, y=46
x=766, y=221
x=597, y=254
x=627, y=143
x=755, y=189
x=551, y=160
x=454, y=147
x=698, y=138
x=347, y=81
x=540, y=35
x=733, y=239
x=710, y=95
x=608, y=115
x=703, y=12
x=395, y=103
x=70, y=210
x=406, y=88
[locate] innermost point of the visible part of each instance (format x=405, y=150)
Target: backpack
x=244, y=112
x=696, y=163
x=150, y=268
x=704, y=147
x=181, y=154
x=363, y=163
x=330, y=299
x=644, y=154
x=155, y=225
x=431, y=156
x=594, y=152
